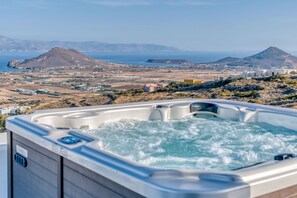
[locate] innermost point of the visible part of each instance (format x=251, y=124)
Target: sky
x=193, y=25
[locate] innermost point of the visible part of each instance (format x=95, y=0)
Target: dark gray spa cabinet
x=48, y=158
x=46, y=174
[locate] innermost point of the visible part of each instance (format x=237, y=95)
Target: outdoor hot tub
x=171, y=148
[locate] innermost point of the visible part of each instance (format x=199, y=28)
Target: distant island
x=10, y=44
x=56, y=57
x=169, y=61
x=271, y=57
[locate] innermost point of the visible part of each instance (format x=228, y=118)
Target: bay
x=134, y=59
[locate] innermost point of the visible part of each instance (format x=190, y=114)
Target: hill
x=271, y=57
x=9, y=44
x=56, y=57
x=279, y=90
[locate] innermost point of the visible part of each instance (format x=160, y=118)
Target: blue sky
x=199, y=25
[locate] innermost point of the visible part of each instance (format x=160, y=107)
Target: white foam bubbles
x=204, y=143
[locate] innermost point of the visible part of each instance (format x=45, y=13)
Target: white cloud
x=117, y=3
x=187, y=2
x=111, y=3
x=120, y=3
x=40, y=4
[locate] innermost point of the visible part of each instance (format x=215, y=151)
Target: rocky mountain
x=9, y=44
x=271, y=57
x=56, y=57
x=14, y=62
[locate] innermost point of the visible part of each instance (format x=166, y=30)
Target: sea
x=134, y=59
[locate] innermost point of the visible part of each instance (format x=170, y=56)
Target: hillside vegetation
x=277, y=90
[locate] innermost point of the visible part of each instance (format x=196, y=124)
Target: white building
x=13, y=110
x=263, y=72
x=153, y=87
x=284, y=71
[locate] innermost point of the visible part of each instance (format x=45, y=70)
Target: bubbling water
x=203, y=143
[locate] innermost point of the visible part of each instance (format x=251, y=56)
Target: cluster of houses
x=13, y=110
x=264, y=72
x=34, y=92
x=91, y=88
x=154, y=86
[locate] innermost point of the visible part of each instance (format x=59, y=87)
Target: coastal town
x=28, y=89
